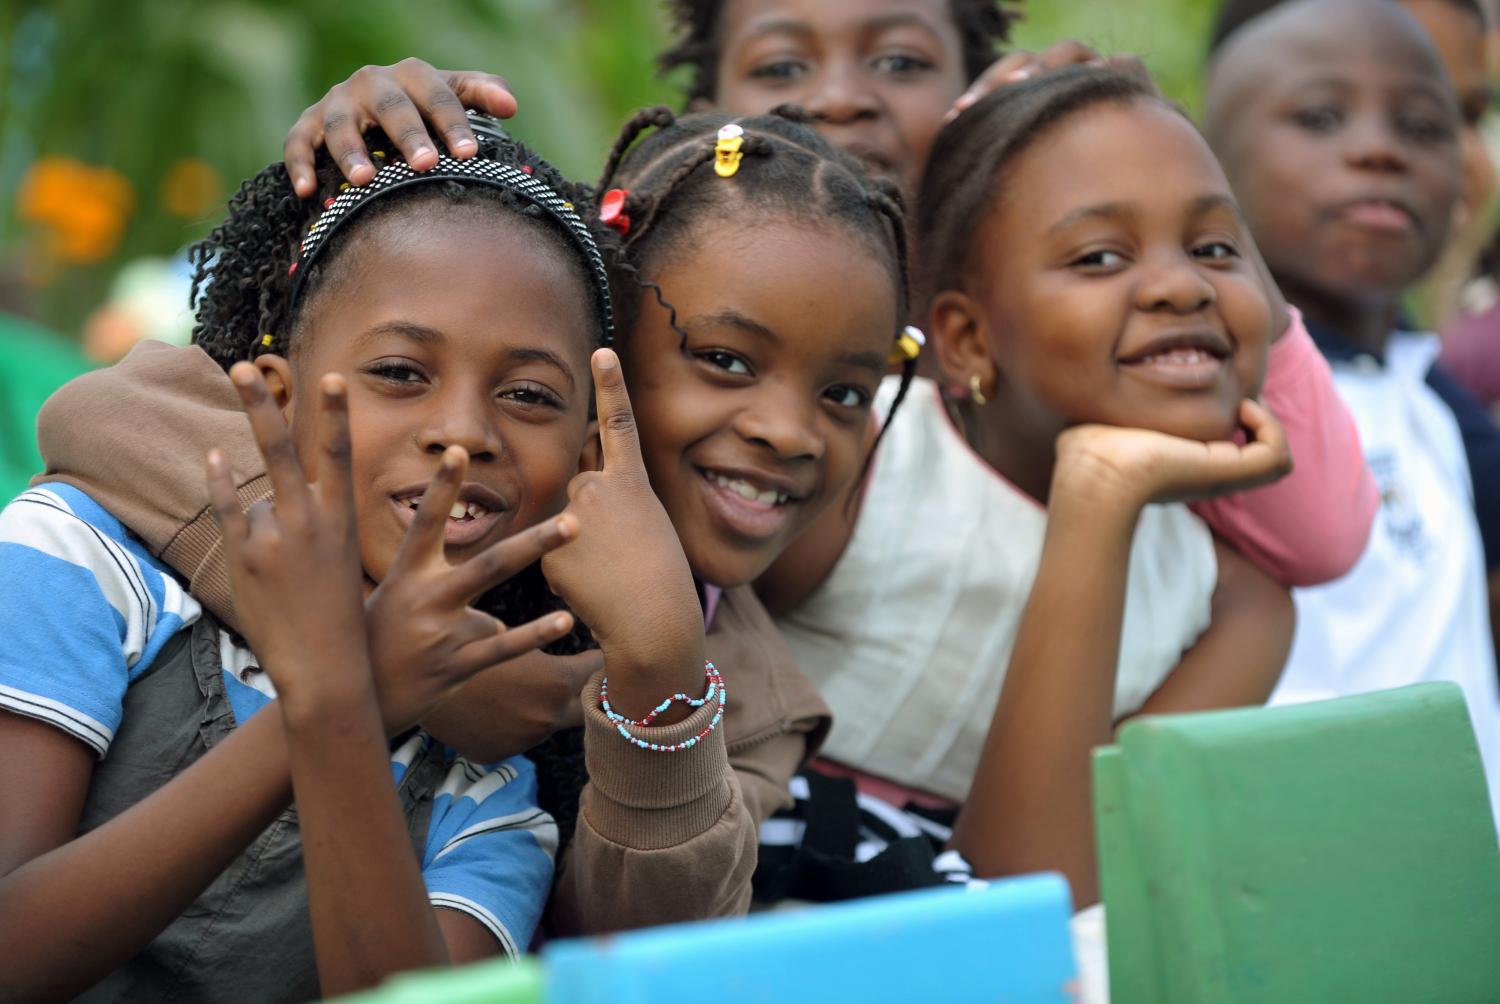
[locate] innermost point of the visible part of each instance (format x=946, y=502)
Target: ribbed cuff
x=650, y=800
x=198, y=549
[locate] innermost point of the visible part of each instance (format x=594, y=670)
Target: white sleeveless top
x=909, y=638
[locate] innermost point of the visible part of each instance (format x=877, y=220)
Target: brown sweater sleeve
x=666, y=837
x=134, y=437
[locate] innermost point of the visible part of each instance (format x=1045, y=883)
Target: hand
x=425, y=640
x=511, y=707
x=626, y=575
x=1022, y=65
x=1095, y=462
x=294, y=565
x=396, y=98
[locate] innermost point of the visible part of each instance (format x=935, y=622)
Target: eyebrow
x=788, y=26
x=1120, y=210
x=424, y=335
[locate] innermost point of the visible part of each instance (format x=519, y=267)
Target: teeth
x=746, y=490
x=459, y=511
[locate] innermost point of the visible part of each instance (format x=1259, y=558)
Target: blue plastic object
x=1007, y=943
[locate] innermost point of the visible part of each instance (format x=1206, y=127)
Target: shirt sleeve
x=83, y=613
x=1481, y=438
x=490, y=849
x=1312, y=525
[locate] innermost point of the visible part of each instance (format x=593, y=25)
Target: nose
x=841, y=94
x=460, y=418
x=1373, y=145
x=784, y=422
x=1175, y=283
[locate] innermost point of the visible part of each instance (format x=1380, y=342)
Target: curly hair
x=242, y=271
x=983, y=25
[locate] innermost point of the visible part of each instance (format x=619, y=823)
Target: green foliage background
x=137, y=85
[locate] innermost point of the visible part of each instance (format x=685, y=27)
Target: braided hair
x=982, y=26
x=244, y=274
x=787, y=169
x=243, y=291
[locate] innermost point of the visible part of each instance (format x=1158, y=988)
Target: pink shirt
x=1313, y=524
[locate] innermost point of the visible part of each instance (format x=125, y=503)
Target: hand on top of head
x=625, y=574
x=294, y=566
x=402, y=99
x=1021, y=65
x=1107, y=464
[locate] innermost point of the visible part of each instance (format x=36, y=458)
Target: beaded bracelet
x=716, y=689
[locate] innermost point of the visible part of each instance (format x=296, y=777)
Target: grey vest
x=247, y=937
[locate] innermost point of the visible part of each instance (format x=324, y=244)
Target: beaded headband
x=398, y=174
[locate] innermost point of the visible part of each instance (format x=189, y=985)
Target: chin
x=719, y=565
x=1205, y=424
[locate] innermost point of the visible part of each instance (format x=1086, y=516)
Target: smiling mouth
x=468, y=522
x=460, y=512
x=1380, y=215
x=750, y=511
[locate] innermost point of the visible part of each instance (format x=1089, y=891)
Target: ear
x=277, y=373
x=959, y=333
x=591, y=458
x=698, y=105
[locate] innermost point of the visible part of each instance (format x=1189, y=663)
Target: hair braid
x=659, y=116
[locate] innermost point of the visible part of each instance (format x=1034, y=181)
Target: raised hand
x=425, y=639
x=1152, y=466
x=294, y=564
x=401, y=99
x=626, y=575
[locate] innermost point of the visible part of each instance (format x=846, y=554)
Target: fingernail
x=964, y=101
x=421, y=151
x=607, y=360
x=560, y=623
x=465, y=145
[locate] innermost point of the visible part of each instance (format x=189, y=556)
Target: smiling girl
x=429, y=324
x=1019, y=578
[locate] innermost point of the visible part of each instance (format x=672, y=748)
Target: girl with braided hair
x=414, y=358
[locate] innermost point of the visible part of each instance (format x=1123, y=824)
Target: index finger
x=272, y=436
x=334, y=476
x=618, y=439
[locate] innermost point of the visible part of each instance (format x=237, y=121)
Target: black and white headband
x=476, y=170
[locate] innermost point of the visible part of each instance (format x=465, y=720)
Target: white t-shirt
x=1415, y=607
x=909, y=638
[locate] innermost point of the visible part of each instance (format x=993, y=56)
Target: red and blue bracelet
x=715, y=691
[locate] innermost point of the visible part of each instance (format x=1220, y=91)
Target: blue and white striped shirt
x=85, y=608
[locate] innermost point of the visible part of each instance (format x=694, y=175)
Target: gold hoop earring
x=976, y=393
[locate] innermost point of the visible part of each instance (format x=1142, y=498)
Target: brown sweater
x=661, y=837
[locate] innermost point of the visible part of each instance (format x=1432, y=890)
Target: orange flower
x=80, y=208
x=191, y=188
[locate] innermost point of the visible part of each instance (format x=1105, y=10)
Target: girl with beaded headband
x=420, y=400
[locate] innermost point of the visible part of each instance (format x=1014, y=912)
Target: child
x=1117, y=296
x=456, y=311
x=752, y=375
x=1339, y=130
x=877, y=78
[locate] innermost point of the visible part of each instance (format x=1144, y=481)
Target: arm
x=1029, y=807
x=1311, y=526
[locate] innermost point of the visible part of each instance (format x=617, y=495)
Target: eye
x=1424, y=129
x=532, y=395
x=1101, y=260
x=779, y=70
x=1216, y=251
x=396, y=372
x=726, y=361
x=1318, y=118
x=847, y=395
x=901, y=63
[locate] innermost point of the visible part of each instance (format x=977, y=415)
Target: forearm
x=62, y=925
x=661, y=837
x=367, y=902
x=1029, y=806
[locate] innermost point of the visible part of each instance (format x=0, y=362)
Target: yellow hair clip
x=908, y=345
x=727, y=151
x=266, y=339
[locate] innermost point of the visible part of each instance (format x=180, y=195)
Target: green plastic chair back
x=1341, y=850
